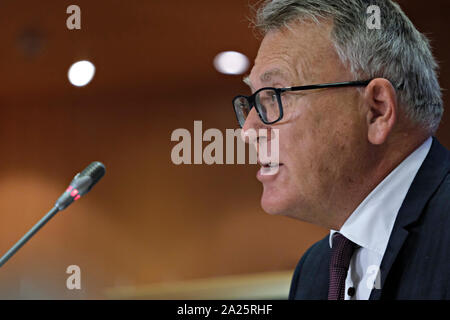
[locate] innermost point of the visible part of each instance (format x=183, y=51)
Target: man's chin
x=275, y=202
x=273, y=205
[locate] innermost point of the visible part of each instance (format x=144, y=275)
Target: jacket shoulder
x=310, y=279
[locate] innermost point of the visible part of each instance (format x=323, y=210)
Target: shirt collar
x=370, y=225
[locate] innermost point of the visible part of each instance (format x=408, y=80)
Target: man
x=356, y=155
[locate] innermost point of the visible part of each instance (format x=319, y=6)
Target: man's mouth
x=270, y=164
x=268, y=171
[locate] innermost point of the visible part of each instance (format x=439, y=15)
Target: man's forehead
x=292, y=54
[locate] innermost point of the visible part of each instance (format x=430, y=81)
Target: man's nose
x=251, y=131
x=251, y=127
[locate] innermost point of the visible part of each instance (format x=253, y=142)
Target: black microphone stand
x=28, y=235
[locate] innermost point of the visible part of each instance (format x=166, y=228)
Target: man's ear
x=381, y=99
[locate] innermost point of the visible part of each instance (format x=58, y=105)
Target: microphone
x=81, y=184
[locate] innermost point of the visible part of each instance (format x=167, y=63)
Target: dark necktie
x=341, y=253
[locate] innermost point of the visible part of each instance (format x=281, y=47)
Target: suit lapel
x=428, y=178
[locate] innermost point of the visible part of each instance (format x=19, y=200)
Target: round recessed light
x=231, y=62
x=81, y=73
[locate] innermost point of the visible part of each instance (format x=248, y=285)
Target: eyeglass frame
x=278, y=91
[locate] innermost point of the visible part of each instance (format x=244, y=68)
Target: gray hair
x=397, y=51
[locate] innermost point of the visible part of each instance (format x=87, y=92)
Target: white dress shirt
x=370, y=225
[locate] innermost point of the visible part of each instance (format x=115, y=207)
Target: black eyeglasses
x=268, y=100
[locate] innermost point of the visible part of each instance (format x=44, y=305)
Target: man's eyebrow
x=266, y=77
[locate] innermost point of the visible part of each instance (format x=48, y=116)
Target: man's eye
x=269, y=99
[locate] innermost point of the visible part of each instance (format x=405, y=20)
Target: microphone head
x=96, y=170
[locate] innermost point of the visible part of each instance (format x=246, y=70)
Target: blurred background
x=150, y=229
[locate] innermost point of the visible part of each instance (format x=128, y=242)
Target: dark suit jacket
x=416, y=264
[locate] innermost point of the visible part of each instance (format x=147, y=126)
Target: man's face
x=322, y=133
